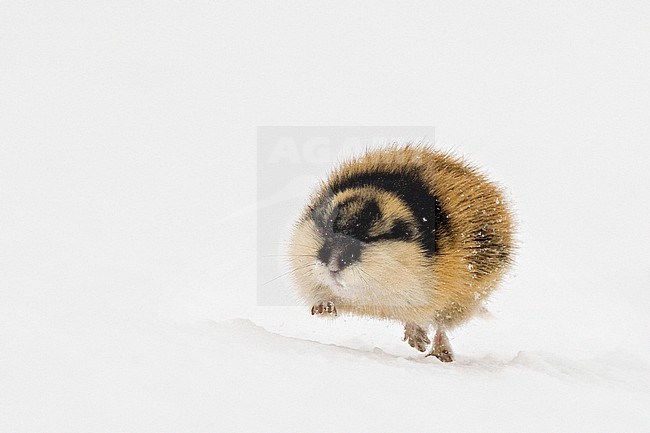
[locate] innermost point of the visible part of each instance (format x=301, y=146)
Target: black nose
x=340, y=252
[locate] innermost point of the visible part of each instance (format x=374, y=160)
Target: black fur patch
x=357, y=224
x=408, y=186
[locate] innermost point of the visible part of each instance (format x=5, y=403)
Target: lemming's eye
x=400, y=230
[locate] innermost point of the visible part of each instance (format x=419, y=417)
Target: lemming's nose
x=334, y=264
x=339, y=255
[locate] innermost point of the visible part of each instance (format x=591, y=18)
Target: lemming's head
x=357, y=243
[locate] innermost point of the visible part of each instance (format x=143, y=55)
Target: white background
x=128, y=213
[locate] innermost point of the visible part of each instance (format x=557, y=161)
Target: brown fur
x=395, y=279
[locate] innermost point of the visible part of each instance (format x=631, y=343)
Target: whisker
x=287, y=273
x=289, y=255
x=370, y=292
x=363, y=279
x=370, y=276
x=288, y=244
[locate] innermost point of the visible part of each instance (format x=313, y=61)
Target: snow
x=140, y=374
x=128, y=207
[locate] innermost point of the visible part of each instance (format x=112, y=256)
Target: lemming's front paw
x=416, y=336
x=324, y=308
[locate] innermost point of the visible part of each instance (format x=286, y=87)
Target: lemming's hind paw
x=324, y=308
x=443, y=355
x=416, y=336
x=441, y=348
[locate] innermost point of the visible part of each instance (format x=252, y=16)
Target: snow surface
x=128, y=214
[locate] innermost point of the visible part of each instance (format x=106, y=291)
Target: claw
x=331, y=308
